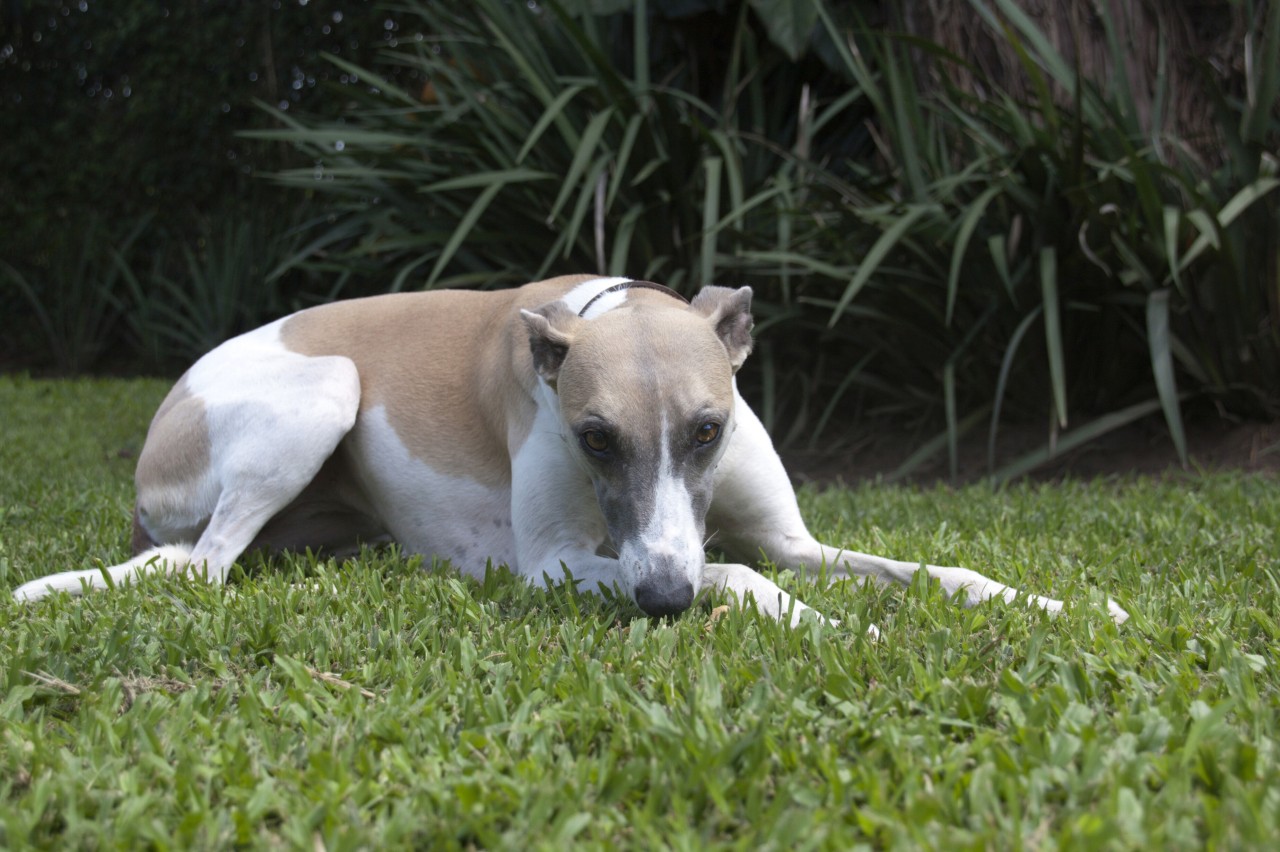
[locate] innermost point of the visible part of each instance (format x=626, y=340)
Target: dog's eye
x=707, y=433
x=595, y=441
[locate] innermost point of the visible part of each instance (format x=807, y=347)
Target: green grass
x=401, y=707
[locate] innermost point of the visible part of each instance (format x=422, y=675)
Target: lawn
x=386, y=703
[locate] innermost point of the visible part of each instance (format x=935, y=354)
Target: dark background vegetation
x=956, y=214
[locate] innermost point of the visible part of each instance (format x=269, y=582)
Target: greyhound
x=580, y=427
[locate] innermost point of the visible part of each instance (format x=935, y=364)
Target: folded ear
x=729, y=312
x=551, y=331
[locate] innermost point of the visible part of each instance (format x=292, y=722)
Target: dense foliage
x=930, y=240
x=121, y=160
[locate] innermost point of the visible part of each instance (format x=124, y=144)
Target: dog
x=581, y=427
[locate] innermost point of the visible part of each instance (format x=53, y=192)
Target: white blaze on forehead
x=577, y=298
x=672, y=530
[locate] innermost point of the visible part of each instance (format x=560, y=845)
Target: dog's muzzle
x=664, y=595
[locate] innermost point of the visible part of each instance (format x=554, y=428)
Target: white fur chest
x=425, y=510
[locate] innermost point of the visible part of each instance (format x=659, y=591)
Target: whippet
x=582, y=426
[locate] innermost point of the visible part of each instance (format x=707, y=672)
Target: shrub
x=929, y=241
x=1055, y=251
x=76, y=300
x=919, y=251
x=122, y=113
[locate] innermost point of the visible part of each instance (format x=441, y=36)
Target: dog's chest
x=427, y=510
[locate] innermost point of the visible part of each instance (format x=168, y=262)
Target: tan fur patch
x=451, y=367
x=624, y=363
x=177, y=449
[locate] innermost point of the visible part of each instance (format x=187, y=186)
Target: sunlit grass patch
x=385, y=702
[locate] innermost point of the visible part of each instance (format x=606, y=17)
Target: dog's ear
x=729, y=312
x=551, y=330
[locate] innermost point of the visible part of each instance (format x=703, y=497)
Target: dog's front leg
x=769, y=598
x=755, y=511
x=558, y=527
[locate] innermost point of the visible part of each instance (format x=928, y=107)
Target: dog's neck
x=631, y=285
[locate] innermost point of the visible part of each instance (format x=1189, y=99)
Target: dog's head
x=646, y=406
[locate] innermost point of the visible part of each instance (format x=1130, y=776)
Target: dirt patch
x=1140, y=449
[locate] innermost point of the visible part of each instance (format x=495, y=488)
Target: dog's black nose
x=659, y=596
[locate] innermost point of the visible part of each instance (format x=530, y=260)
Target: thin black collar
x=631, y=285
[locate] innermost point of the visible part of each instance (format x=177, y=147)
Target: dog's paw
x=28, y=592
x=42, y=588
x=873, y=632
x=1118, y=614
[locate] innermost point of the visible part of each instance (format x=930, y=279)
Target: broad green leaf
x=733, y=173
x=1006, y=364
x=907, y=123
x=473, y=214
x=851, y=375
x=997, y=247
x=581, y=159
x=640, y=45
x=1053, y=331
x=968, y=223
x=1259, y=114
x=591, y=190
x=798, y=259
x=876, y=255
x=620, y=253
x=935, y=445
x=1075, y=438
x=1045, y=53
x=949, y=406
x=370, y=78
x=622, y=161
x=789, y=23
x=1159, y=340
x=484, y=179
x=550, y=114
x=1172, y=228
x=710, y=213
x=736, y=213
x=1239, y=202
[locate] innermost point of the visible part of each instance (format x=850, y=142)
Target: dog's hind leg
x=170, y=557
x=754, y=511
x=236, y=441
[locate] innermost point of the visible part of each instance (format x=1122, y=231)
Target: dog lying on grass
x=579, y=426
